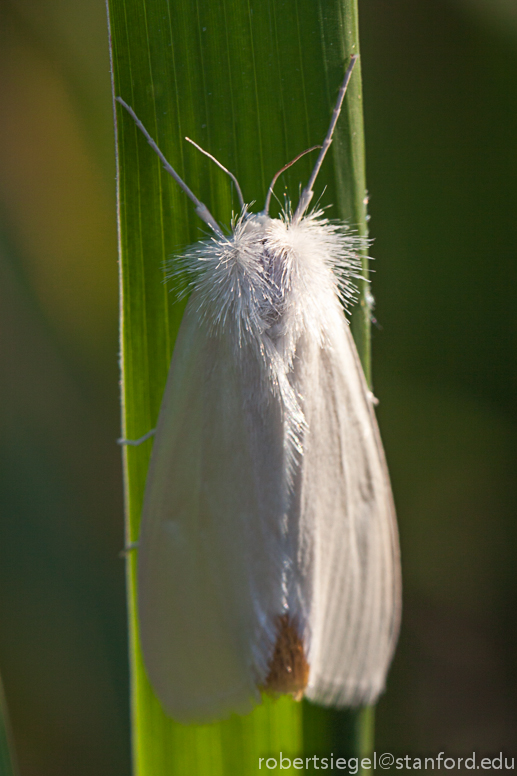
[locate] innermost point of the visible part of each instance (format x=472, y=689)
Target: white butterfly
x=268, y=551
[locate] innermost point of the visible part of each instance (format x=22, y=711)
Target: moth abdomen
x=288, y=672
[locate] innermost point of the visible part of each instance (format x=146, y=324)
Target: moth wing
x=349, y=522
x=209, y=528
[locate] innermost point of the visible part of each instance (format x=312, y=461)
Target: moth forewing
x=202, y=599
x=356, y=597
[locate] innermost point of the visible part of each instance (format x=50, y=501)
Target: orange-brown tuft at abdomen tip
x=288, y=669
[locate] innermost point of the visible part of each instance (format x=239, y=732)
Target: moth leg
x=129, y=548
x=136, y=442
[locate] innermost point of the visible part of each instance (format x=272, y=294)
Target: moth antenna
x=218, y=163
x=307, y=193
x=201, y=209
x=279, y=173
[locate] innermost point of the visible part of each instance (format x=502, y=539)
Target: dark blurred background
x=440, y=83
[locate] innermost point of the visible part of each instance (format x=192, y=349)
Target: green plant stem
x=8, y=765
x=253, y=84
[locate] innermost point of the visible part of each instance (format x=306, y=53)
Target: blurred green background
x=440, y=88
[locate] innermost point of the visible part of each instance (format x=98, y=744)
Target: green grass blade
x=254, y=84
x=8, y=766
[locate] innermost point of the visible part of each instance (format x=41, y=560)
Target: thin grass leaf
x=253, y=84
x=8, y=765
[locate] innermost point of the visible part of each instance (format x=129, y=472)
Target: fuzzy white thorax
x=252, y=279
x=268, y=284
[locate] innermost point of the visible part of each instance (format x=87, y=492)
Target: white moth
x=268, y=552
